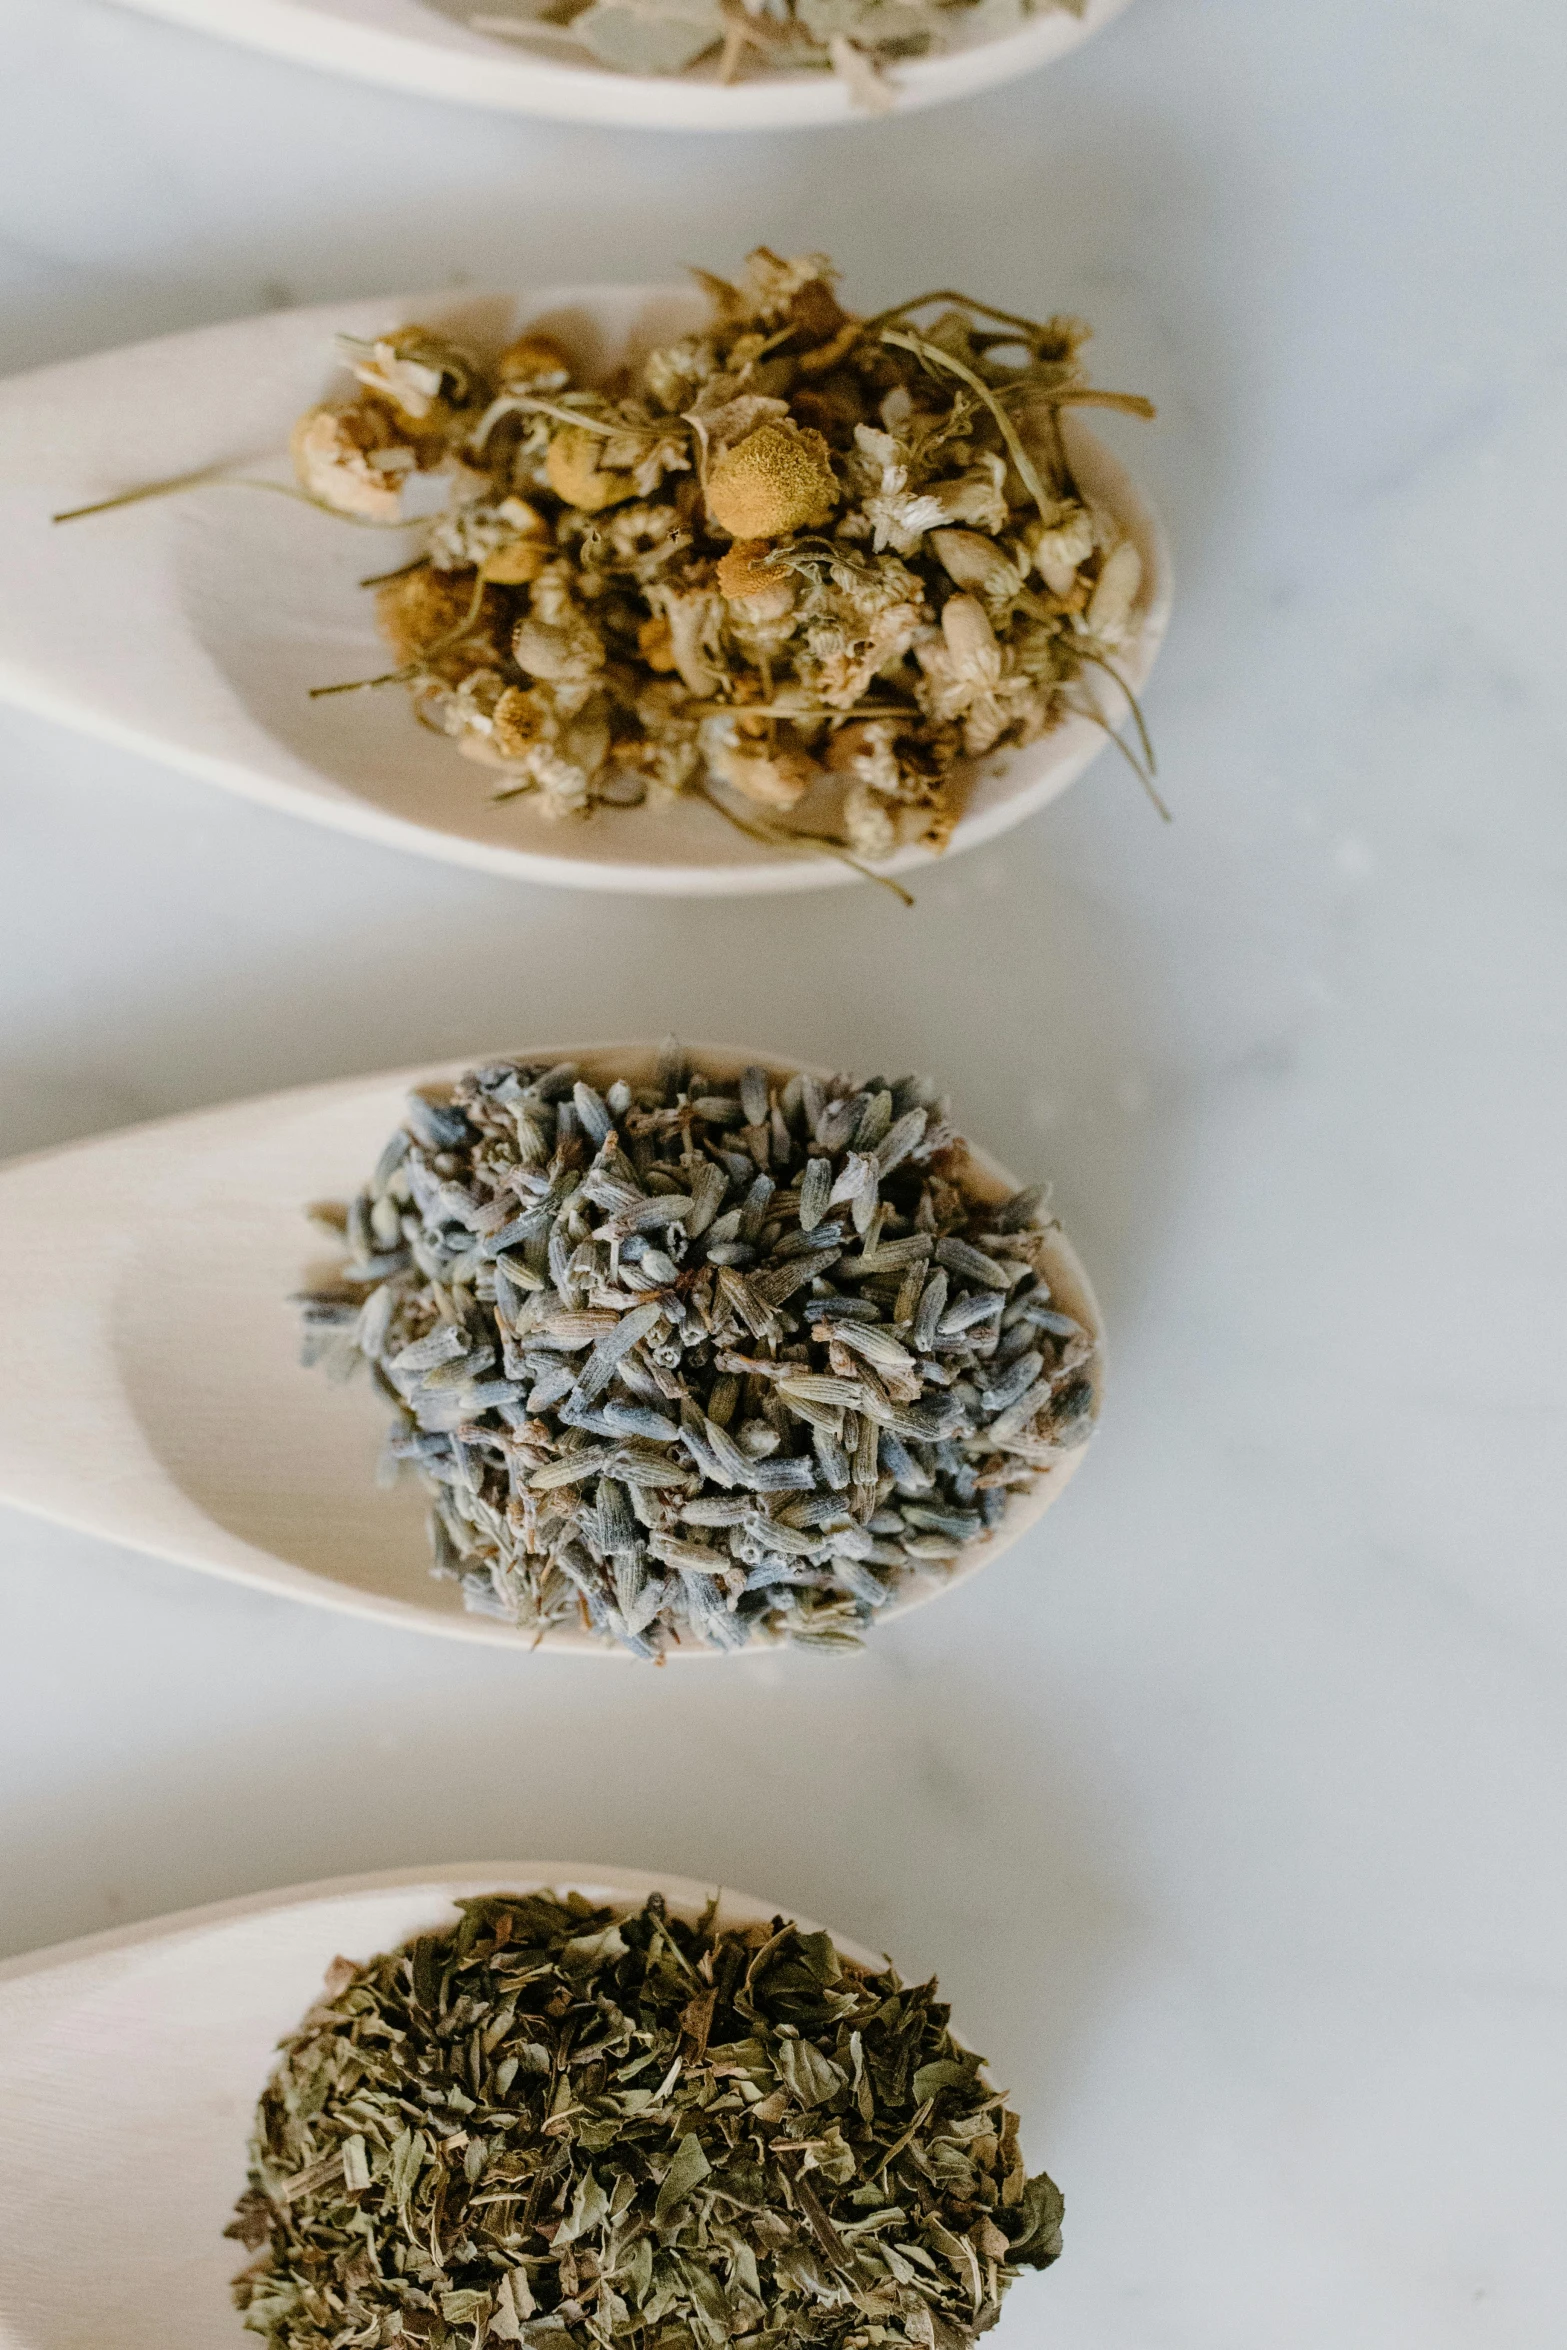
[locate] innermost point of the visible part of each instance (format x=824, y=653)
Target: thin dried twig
x=780, y=837
x=214, y=477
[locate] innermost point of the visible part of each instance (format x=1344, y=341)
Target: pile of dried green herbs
x=811, y=565
x=564, y=2128
x=853, y=38
x=700, y=1360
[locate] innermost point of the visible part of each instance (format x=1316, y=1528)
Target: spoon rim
x=445, y=1878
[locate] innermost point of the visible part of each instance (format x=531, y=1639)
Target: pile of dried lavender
x=812, y=566
x=854, y=38
x=562, y=2128
x=702, y=1361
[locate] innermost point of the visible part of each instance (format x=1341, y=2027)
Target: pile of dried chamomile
x=810, y=565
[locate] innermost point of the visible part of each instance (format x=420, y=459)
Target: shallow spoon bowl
x=151, y=1391
x=193, y=628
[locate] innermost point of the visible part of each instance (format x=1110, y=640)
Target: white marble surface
x=1230, y=1809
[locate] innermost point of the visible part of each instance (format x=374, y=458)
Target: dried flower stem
x=1098, y=718
x=776, y=837
x=213, y=477
x=580, y=420
x=1144, y=737
x=363, y=685
x=1089, y=396
x=1032, y=329
x=933, y=356
x=152, y=489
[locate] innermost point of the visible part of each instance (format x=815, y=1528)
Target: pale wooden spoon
x=193, y=628
x=151, y=1390
x=130, y=2066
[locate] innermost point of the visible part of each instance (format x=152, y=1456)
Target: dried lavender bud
x=564, y=2127
x=592, y=1338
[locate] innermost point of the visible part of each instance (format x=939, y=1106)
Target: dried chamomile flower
x=504, y=539
x=700, y=1361
x=779, y=779
x=776, y=289
x=778, y=480
x=436, y=620
x=1058, y=547
x=751, y=581
x=568, y=2126
x=426, y=381
x=566, y=653
x=524, y=555
x=713, y=573
x=534, y=363
x=353, y=455
x=575, y=472
x=865, y=755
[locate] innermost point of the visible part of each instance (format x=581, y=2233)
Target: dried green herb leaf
x=948, y=2073
x=810, y=2076
x=586, y=1953
x=688, y=2169
x=588, y=2206
x=650, y=36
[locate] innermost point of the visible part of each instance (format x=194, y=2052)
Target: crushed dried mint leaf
x=703, y=1361
x=816, y=566
x=564, y=2126
x=740, y=38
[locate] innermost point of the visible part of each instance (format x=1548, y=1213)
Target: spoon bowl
x=432, y=50
x=192, y=628
x=130, y=2066
x=155, y=1397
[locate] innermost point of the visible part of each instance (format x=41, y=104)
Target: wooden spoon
x=192, y=628
x=130, y=2065
x=151, y=1390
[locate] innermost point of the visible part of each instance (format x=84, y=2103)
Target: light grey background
x=1229, y=1807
